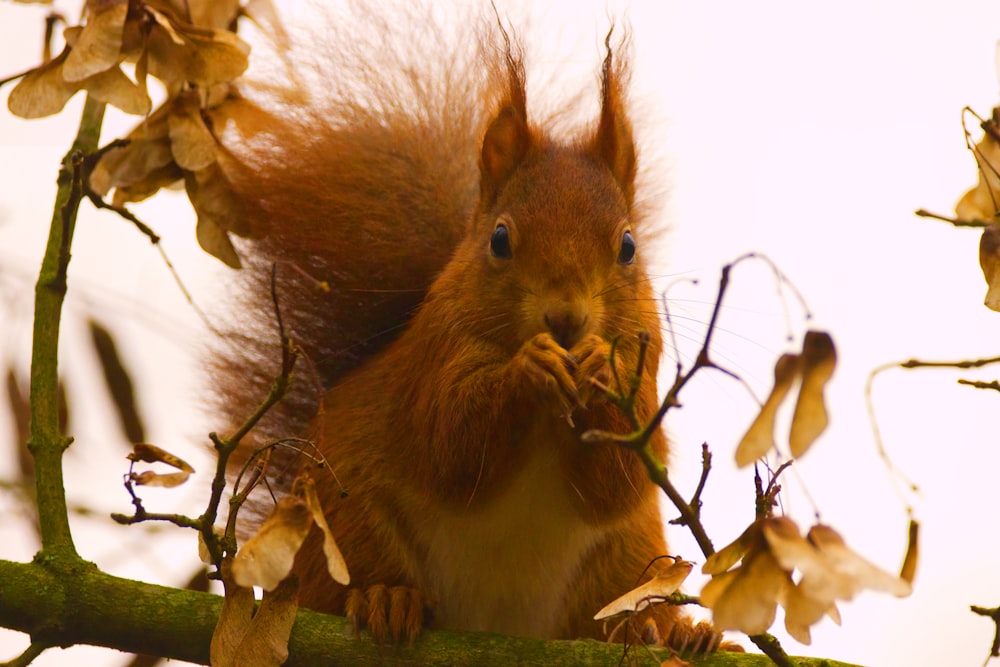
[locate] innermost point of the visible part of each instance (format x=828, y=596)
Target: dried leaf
x=980, y=203
x=819, y=358
x=164, y=480
x=142, y=71
x=98, y=46
x=169, y=176
x=846, y=562
x=661, y=585
x=819, y=580
x=989, y=260
x=218, y=14
x=802, y=612
x=118, y=381
x=759, y=439
x=746, y=598
x=134, y=37
x=909, y=569
x=214, y=240
x=166, y=23
x=180, y=52
x=234, y=620
x=266, y=644
x=212, y=195
x=716, y=586
x=267, y=557
x=191, y=142
x=116, y=89
x=220, y=210
x=829, y=572
x=725, y=558
x=42, y=91
x=335, y=563
x=219, y=58
x=147, y=152
x=143, y=451
x=789, y=547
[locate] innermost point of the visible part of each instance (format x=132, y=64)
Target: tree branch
x=47, y=444
x=79, y=604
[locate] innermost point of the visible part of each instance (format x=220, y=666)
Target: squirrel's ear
x=506, y=143
x=613, y=142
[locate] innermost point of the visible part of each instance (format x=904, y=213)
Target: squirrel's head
x=554, y=238
x=559, y=248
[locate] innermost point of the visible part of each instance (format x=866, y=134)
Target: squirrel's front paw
x=593, y=368
x=389, y=612
x=548, y=367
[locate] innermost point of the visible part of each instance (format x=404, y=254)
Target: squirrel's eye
x=500, y=243
x=627, y=252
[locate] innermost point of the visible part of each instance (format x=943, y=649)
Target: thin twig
x=142, y=515
x=896, y=475
x=225, y=448
x=963, y=364
x=978, y=384
x=766, y=499
x=143, y=228
x=184, y=291
x=923, y=213
x=706, y=466
x=993, y=614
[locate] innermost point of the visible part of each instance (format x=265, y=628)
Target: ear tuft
x=506, y=143
x=508, y=137
x=613, y=141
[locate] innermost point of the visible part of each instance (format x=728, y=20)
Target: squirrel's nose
x=566, y=324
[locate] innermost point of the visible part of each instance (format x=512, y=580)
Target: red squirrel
x=480, y=268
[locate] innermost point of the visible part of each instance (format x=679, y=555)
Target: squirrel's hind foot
x=689, y=638
x=660, y=625
x=389, y=612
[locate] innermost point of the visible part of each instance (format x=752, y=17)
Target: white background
x=807, y=131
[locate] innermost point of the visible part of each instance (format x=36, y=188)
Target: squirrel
x=480, y=268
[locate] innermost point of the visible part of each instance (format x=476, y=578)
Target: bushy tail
x=359, y=170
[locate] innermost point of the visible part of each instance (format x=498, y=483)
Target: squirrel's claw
x=389, y=612
x=549, y=367
x=592, y=354
x=688, y=638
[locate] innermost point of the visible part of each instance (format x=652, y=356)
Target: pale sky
x=806, y=131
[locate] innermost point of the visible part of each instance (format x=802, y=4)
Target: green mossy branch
x=47, y=443
x=61, y=605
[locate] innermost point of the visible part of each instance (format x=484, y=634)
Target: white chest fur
x=506, y=567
